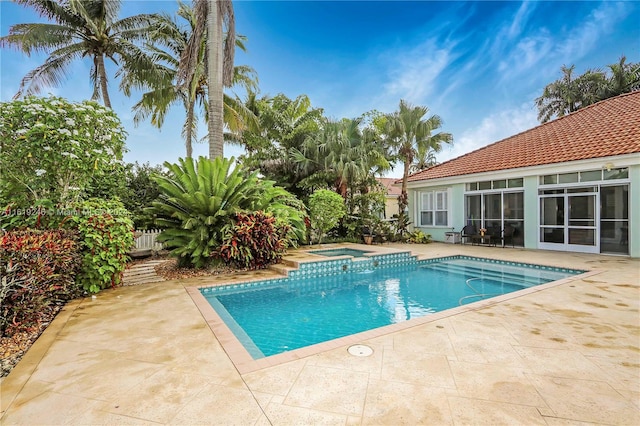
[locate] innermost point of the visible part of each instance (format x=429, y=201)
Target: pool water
x=276, y=316
x=340, y=252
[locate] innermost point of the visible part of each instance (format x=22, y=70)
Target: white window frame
x=436, y=201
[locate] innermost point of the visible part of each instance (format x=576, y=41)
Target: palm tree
x=212, y=16
x=625, y=77
x=283, y=125
x=409, y=133
x=567, y=94
x=341, y=153
x=425, y=158
x=87, y=28
x=167, y=43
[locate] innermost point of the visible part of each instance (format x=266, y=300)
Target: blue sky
x=479, y=65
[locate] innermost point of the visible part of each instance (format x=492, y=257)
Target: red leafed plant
x=37, y=270
x=253, y=241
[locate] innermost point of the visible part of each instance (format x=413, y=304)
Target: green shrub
x=141, y=190
x=197, y=200
x=326, y=208
x=419, y=237
x=58, y=150
x=106, y=232
x=37, y=270
x=288, y=210
x=253, y=241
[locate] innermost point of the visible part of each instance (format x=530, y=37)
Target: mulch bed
x=13, y=348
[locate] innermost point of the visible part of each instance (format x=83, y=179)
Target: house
x=572, y=184
x=391, y=196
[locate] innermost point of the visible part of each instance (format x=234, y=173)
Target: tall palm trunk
x=215, y=64
x=188, y=136
x=403, y=199
x=102, y=75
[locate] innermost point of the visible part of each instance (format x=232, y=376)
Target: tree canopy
x=570, y=93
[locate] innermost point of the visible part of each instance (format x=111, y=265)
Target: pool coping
x=245, y=363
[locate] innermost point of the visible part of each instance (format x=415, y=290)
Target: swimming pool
x=327, y=300
x=340, y=252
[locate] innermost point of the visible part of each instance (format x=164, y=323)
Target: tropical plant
x=624, y=78
x=37, y=271
x=326, y=208
x=283, y=125
x=288, y=211
x=568, y=94
x=407, y=134
x=141, y=190
x=341, y=153
x=425, y=158
x=212, y=17
x=58, y=150
x=419, y=237
x=197, y=200
x=253, y=240
x=168, y=41
x=106, y=233
x=82, y=29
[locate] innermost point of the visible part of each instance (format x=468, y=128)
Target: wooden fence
x=147, y=240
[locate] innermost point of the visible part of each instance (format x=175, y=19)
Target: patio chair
x=468, y=232
x=495, y=235
x=507, y=235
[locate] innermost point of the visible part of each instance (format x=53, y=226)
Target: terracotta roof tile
x=609, y=127
x=388, y=184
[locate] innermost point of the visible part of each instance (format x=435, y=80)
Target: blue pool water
x=336, y=298
x=340, y=252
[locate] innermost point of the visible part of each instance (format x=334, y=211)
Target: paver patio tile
x=394, y=403
x=280, y=414
x=495, y=382
x=470, y=411
x=417, y=368
x=276, y=380
x=220, y=405
x=329, y=389
x=174, y=389
x=589, y=401
x=560, y=363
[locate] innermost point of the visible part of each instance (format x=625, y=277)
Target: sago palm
x=197, y=199
x=88, y=28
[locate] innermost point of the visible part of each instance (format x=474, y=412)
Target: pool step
x=492, y=272
x=282, y=268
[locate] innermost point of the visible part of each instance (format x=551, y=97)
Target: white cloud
x=414, y=73
x=520, y=20
x=492, y=128
x=543, y=52
x=601, y=21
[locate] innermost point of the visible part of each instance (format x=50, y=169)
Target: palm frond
x=52, y=73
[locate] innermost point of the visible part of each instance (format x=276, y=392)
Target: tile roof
x=388, y=184
x=609, y=127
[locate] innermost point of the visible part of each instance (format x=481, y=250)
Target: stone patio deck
x=569, y=354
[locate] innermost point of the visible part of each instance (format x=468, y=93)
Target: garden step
x=142, y=273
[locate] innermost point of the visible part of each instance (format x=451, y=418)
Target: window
x=585, y=176
x=434, y=208
x=494, y=184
